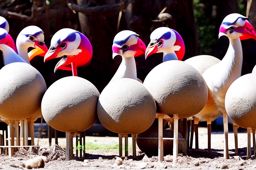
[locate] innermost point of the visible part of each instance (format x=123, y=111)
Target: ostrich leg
x=225, y=124
x=134, y=145
x=120, y=137
x=69, y=145
x=196, y=122
x=10, y=138
x=175, y=138
x=160, y=138
x=235, y=130
x=209, y=127
x=249, y=130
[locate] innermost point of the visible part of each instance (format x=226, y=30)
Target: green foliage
x=205, y=27
x=102, y=147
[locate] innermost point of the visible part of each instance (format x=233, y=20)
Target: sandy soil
x=98, y=159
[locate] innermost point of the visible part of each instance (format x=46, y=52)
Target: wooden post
x=120, y=145
x=22, y=132
x=17, y=133
x=26, y=132
x=84, y=144
x=69, y=146
x=56, y=137
x=5, y=140
x=50, y=135
x=77, y=146
x=126, y=145
x=209, y=128
x=196, y=135
x=249, y=143
x=10, y=128
x=235, y=131
x=160, y=138
x=134, y=145
x=225, y=124
x=191, y=134
x=188, y=133
x=81, y=143
x=175, y=138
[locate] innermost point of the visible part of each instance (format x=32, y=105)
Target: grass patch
x=100, y=146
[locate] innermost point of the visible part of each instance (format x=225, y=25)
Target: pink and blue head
x=237, y=26
x=167, y=41
x=128, y=44
x=31, y=36
x=5, y=38
x=4, y=23
x=73, y=47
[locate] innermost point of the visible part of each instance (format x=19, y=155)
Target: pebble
x=237, y=157
x=118, y=161
x=224, y=166
x=142, y=165
x=196, y=163
x=145, y=159
x=168, y=158
x=36, y=162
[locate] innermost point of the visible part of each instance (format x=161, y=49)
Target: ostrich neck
x=232, y=61
x=167, y=56
x=221, y=75
x=127, y=69
x=22, y=50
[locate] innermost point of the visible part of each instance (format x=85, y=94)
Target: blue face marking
x=3, y=36
x=59, y=41
x=71, y=37
x=232, y=23
x=166, y=36
x=37, y=33
x=3, y=25
x=121, y=42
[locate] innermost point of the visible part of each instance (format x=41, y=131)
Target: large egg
x=178, y=88
x=202, y=62
x=240, y=101
x=69, y=104
x=125, y=106
x=21, y=90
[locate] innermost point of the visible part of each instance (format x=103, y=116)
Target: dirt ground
x=108, y=159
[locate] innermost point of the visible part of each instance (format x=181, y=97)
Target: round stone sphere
x=126, y=107
x=177, y=87
x=21, y=91
x=240, y=101
x=202, y=62
x=69, y=104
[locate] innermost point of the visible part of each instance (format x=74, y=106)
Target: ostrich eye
x=63, y=45
x=125, y=48
x=231, y=30
x=31, y=38
x=53, y=48
x=160, y=42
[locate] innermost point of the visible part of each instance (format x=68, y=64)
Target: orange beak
x=39, y=50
